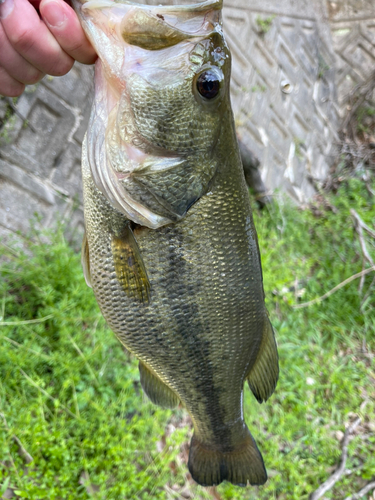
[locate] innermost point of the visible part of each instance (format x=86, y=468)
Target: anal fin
x=159, y=393
x=264, y=374
x=130, y=269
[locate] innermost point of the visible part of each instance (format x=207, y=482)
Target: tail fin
x=209, y=466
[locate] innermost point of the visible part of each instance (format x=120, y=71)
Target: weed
x=366, y=119
x=259, y=88
x=71, y=395
x=299, y=145
x=322, y=67
x=8, y=127
x=264, y=24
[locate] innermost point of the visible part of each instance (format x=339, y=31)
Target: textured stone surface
x=40, y=158
x=353, y=34
x=294, y=62
x=283, y=89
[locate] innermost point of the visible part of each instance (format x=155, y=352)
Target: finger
x=10, y=87
x=63, y=23
x=15, y=65
x=31, y=38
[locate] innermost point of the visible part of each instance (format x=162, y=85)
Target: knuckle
x=81, y=51
x=87, y=58
x=61, y=67
x=34, y=77
x=76, y=47
x=22, y=40
x=3, y=38
x=10, y=87
x=16, y=92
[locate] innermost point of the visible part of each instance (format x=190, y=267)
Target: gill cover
x=161, y=80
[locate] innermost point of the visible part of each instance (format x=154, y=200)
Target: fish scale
x=185, y=296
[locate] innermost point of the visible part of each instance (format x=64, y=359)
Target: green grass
x=71, y=394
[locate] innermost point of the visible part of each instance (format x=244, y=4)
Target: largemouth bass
x=171, y=250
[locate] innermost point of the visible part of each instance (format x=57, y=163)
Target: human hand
x=32, y=45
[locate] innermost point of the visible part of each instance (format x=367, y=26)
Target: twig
x=370, y=231
x=362, y=492
x=26, y=322
x=331, y=481
x=341, y=285
x=361, y=92
x=91, y=371
x=12, y=251
x=367, y=293
x=359, y=226
x=13, y=342
x=22, y=450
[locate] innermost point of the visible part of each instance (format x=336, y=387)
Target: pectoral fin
x=263, y=376
x=156, y=390
x=130, y=269
x=85, y=261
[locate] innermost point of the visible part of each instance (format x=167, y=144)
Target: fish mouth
x=113, y=25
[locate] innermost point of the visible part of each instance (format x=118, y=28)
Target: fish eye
x=208, y=84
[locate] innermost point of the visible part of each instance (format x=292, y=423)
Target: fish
x=170, y=249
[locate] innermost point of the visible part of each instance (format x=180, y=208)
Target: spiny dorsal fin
x=263, y=376
x=159, y=393
x=130, y=269
x=85, y=260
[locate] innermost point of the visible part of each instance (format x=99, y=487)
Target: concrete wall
x=40, y=160
x=294, y=62
x=284, y=93
x=353, y=34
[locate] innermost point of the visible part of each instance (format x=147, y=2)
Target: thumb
x=64, y=25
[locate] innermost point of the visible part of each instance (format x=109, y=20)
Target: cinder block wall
x=284, y=93
x=40, y=158
x=352, y=25
x=294, y=62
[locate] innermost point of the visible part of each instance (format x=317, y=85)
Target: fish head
x=177, y=78
x=162, y=91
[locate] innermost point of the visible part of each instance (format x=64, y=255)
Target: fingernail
x=6, y=7
x=53, y=14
